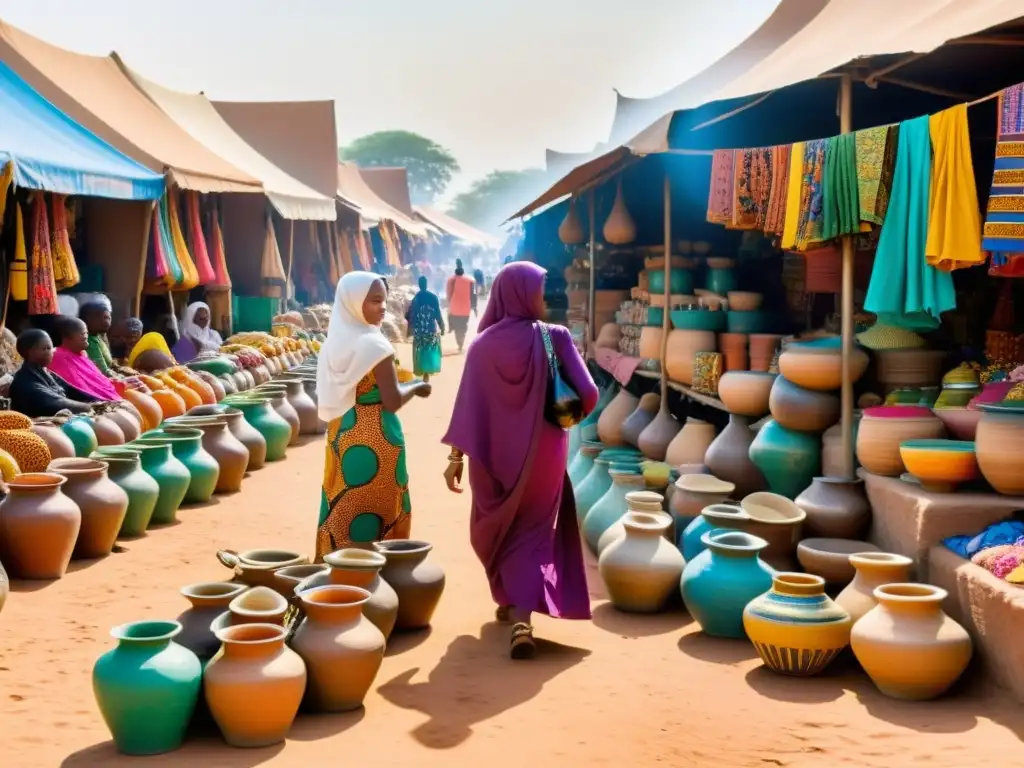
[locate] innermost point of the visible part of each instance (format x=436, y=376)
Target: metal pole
x=592, y=215
x=846, y=304
x=667, y=195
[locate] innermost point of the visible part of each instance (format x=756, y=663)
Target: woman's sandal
x=502, y=614
x=523, y=645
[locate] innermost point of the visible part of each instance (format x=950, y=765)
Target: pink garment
x=81, y=372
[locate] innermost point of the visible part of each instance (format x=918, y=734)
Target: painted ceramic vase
x=693, y=494
x=187, y=446
x=609, y=425
x=724, y=516
x=584, y=462
x=611, y=506
x=818, y=365
x=788, y=460
x=637, y=501
x=655, y=439
x=343, y=649
x=417, y=581
x=941, y=465
x=802, y=410
x=728, y=457
x=719, y=582
x=360, y=568
x=82, y=435
x=641, y=418
x=172, y=477
x=277, y=432
x=278, y=396
x=682, y=349
x=208, y=601
x=745, y=393
x=147, y=687
x=795, y=627
x=910, y=649
x=883, y=428
x=835, y=508
x=778, y=521
x=691, y=444
x=247, y=434
x=231, y=455
x=641, y=570
x=999, y=444
x=124, y=467
x=102, y=503
x=254, y=685
x=39, y=526
x=873, y=570
x=57, y=440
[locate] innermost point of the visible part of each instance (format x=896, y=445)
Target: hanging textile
x=6, y=176
x=905, y=290
x=42, y=291
x=348, y=264
x=174, y=275
x=775, y=219
x=19, y=267
x=794, y=178
x=809, y=224
x=197, y=241
x=272, y=271
x=65, y=271
x=720, y=192
x=840, y=201
x=1004, y=219
x=157, y=268
x=189, y=274
x=752, y=188
x=876, y=156
x=218, y=257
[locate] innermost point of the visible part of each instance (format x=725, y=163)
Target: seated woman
x=151, y=353
x=96, y=317
x=72, y=363
x=196, y=328
x=35, y=391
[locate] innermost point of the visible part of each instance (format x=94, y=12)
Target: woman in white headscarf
x=366, y=484
x=196, y=328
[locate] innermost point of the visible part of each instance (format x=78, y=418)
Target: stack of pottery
x=641, y=418
x=789, y=460
x=693, y=494
x=360, y=568
x=101, y=502
x=734, y=351
x=641, y=570
x=609, y=425
x=124, y=467
x=746, y=393
x=832, y=450
x=883, y=428
x=39, y=526
x=779, y=522
x=659, y=434
x=208, y=601
x=647, y=502
x=418, y=582
x=835, y=507
x=728, y=457
x=218, y=441
x=691, y=444
x=681, y=351
x=802, y=410
x=1000, y=446
x=302, y=403
x=871, y=570
x=607, y=510
x=817, y=365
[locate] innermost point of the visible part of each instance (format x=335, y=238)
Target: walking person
x=426, y=326
x=461, y=295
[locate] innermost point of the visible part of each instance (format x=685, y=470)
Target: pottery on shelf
x=691, y=444
x=718, y=583
x=728, y=457
x=257, y=567
x=746, y=393
x=254, y=685
x=836, y=508
x=102, y=503
x=649, y=502
x=778, y=521
x=639, y=420
x=788, y=460
x=830, y=558
x=172, y=477
x=681, y=351
x=908, y=646
x=650, y=342
x=584, y=461
x=361, y=568
x=187, y=446
x=231, y=455
x=960, y=423
x=642, y=569
x=884, y=427
x=818, y=365
x=57, y=441
x=607, y=510
x=147, y=687
x=733, y=347
x=609, y=425
x=658, y=435
x=1000, y=447
x=418, y=582
x=247, y=434
x=795, y=627
x=763, y=347
x=124, y=467
x=693, y=494
x=941, y=465
x=619, y=228
x=802, y=410
x=208, y=601
x=872, y=570
x=896, y=368
x=725, y=516
x=343, y=649
x=39, y=526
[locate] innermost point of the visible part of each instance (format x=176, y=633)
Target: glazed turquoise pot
x=607, y=510
x=721, y=281
x=598, y=481
x=187, y=447
x=719, y=582
x=584, y=461
x=607, y=395
x=680, y=281
x=258, y=412
x=147, y=687
x=82, y=435
x=172, y=477
x=124, y=467
x=716, y=517
x=789, y=460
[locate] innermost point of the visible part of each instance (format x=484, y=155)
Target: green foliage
x=429, y=165
x=490, y=200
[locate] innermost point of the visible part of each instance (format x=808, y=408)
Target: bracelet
x=455, y=457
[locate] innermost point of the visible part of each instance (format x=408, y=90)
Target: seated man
x=35, y=391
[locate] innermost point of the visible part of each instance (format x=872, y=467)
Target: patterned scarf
x=776, y=216
x=752, y=188
x=876, y=156
x=1004, y=219
x=722, y=180
x=809, y=223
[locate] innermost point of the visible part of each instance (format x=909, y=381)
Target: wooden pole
x=846, y=305
x=591, y=302
x=665, y=327
x=136, y=308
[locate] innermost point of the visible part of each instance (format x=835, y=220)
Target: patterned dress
x=365, y=494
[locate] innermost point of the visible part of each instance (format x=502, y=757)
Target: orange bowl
x=940, y=465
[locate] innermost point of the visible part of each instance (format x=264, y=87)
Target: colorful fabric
x=189, y=273
x=197, y=241
x=794, y=179
x=99, y=352
x=42, y=290
x=1004, y=219
x=218, y=258
x=271, y=267
x=65, y=271
x=150, y=341
x=840, y=204
x=81, y=372
x=775, y=220
x=720, y=195
x=905, y=290
x=365, y=494
x=876, y=156
x=752, y=188
x=809, y=217
x=19, y=266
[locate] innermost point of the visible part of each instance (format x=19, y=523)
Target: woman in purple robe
x=523, y=524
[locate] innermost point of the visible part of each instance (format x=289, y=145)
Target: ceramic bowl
x=747, y=322
x=711, y=301
x=745, y=393
x=961, y=423
x=704, y=483
x=830, y=558
x=766, y=507
x=697, y=320
x=940, y=465
x=745, y=301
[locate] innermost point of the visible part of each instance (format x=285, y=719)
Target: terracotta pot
x=619, y=228
x=728, y=457
x=641, y=570
x=208, y=601
x=570, y=231
x=247, y=434
x=763, y=347
x=830, y=558
x=609, y=426
x=639, y=420
x=778, y=521
x=60, y=444
x=788, y=460
x=836, y=508
x=818, y=365
x=802, y=410
x=291, y=577
x=746, y=393
x=38, y=526
x=910, y=649
x=417, y=582
x=227, y=450
x=650, y=343
x=360, y=568
x=648, y=502
x=658, y=435
x=278, y=397
x=694, y=493
x=259, y=605
x=895, y=368
x=343, y=650
x=254, y=685
x=107, y=431
x=256, y=567
x=309, y=419
x=102, y=503
x=872, y=570
x=733, y=347
x=681, y=351
x=832, y=453
x=129, y=424
x=692, y=442
x=883, y=428
x=795, y=627
x=999, y=447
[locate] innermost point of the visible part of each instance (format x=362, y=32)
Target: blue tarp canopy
x=52, y=152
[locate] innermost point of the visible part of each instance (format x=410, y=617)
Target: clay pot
x=910, y=649
x=830, y=558
x=641, y=418
x=343, y=650
x=817, y=365
x=836, y=508
x=733, y=347
x=612, y=505
x=691, y=444
x=124, y=467
x=681, y=351
x=960, y=423
x=277, y=394
x=208, y=601
x=763, y=347
x=609, y=426
x=655, y=439
x=832, y=464
x=171, y=476
x=619, y=228
x=259, y=605
x=746, y=393
x=107, y=431
x=227, y=450
x=129, y=424
x=584, y=462
x=60, y=444
x=38, y=526
x=642, y=569
x=728, y=457
x=637, y=501
x=650, y=343
x=570, y=231
x=417, y=582
x=873, y=569
x=730, y=517
x=291, y=577
x=694, y=493
x=79, y=430
x=309, y=418
x=148, y=408
x=795, y=627
x=247, y=434
x=187, y=446
x=254, y=685
x=102, y=503
x=778, y=521
x=896, y=368
x=999, y=447
x=883, y=428
x=256, y=567
x=360, y=568
x=802, y=410
x=788, y=460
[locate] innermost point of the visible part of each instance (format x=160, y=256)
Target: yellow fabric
x=954, y=222
x=65, y=270
x=151, y=340
x=6, y=177
x=796, y=170
x=19, y=267
x=190, y=275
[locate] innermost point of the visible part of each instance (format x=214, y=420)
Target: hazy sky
x=496, y=81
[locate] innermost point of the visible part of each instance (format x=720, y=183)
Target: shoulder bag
x=562, y=406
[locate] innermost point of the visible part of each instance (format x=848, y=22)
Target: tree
x=430, y=166
x=492, y=199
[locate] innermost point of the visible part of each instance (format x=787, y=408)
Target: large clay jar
x=802, y=410
x=124, y=467
x=655, y=439
x=788, y=460
x=795, y=627
x=609, y=425
x=639, y=420
x=187, y=445
x=745, y=393
x=107, y=431
x=208, y=601
x=278, y=396
x=649, y=502
x=682, y=349
x=778, y=521
x=227, y=450
x=172, y=477
x=729, y=517
x=650, y=343
x=910, y=649
x=343, y=649
x=360, y=568
x=38, y=526
x=102, y=503
x=570, y=231
x=884, y=427
x=610, y=507
x=129, y=424
x=147, y=687
x=641, y=570
x=277, y=432
x=693, y=494
x=247, y=434
x=584, y=461
x=418, y=582
x=873, y=569
x=818, y=365
x=309, y=418
x=691, y=444
x=59, y=443
x=719, y=582
x=254, y=685
x=836, y=508
x=83, y=437
x=999, y=447
x=728, y=457
x=258, y=567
